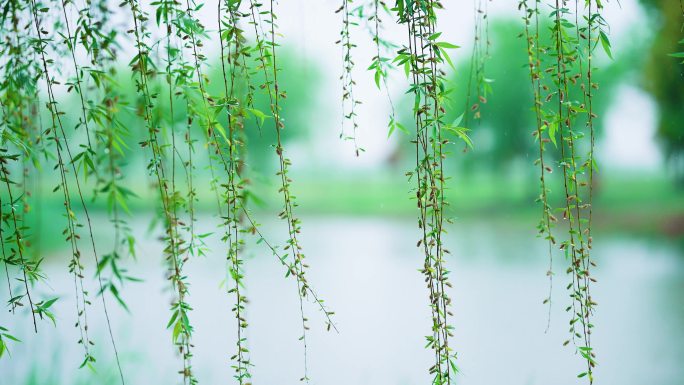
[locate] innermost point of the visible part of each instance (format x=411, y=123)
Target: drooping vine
x=233, y=38
x=266, y=46
x=566, y=78
x=349, y=101
x=531, y=25
x=14, y=116
x=75, y=265
x=381, y=63
x=85, y=30
x=422, y=57
x=144, y=67
x=29, y=271
x=60, y=139
x=111, y=148
x=477, y=81
x=575, y=247
x=182, y=114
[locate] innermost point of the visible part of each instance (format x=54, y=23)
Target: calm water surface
x=367, y=270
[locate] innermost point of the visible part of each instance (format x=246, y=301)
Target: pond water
x=367, y=270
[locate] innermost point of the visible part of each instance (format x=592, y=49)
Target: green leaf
x=434, y=36
x=447, y=57
x=606, y=44
x=176, y=331
x=444, y=44
x=461, y=132
x=552, y=132
x=258, y=114
x=391, y=126
x=458, y=120
x=11, y=337
x=221, y=131
x=172, y=320
x=48, y=303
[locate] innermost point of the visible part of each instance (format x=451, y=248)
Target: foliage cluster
x=194, y=119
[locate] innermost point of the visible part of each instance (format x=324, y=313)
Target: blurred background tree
x=502, y=133
x=298, y=77
x=663, y=78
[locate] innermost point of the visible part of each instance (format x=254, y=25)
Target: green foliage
x=502, y=131
x=381, y=62
x=200, y=125
x=422, y=59
x=5, y=337
x=561, y=79
x=109, y=119
x=349, y=101
x=662, y=78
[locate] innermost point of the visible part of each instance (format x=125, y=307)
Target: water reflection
x=367, y=270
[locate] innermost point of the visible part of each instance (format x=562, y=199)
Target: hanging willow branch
x=559, y=115
x=381, y=63
x=480, y=54
x=233, y=36
x=86, y=29
x=422, y=57
x=111, y=146
x=349, y=101
x=575, y=247
x=561, y=77
x=531, y=21
x=77, y=269
x=16, y=88
x=267, y=56
x=143, y=66
x=16, y=258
